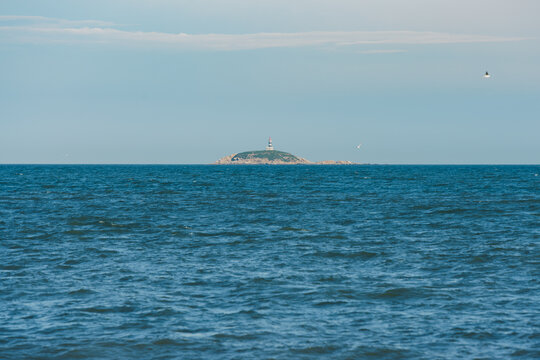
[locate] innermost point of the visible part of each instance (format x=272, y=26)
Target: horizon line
x=341, y=165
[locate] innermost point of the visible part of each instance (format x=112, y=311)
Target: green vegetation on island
x=262, y=157
x=269, y=155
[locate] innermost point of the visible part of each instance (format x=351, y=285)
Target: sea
x=269, y=262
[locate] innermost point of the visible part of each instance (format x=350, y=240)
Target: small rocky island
x=271, y=157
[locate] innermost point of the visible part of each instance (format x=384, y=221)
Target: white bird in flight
x=486, y=75
x=358, y=146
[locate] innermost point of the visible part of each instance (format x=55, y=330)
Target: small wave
x=64, y=267
x=349, y=255
x=81, y=220
x=327, y=349
x=161, y=312
x=450, y=211
x=261, y=280
x=478, y=335
x=478, y=259
x=526, y=354
x=73, y=354
x=195, y=283
x=252, y=313
x=202, y=184
x=289, y=228
x=81, y=291
x=219, y=234
x=422, y=207
x=331, y=279
x=168, y=192
x=166, y=341
x=179, y=226
x=11, y=267
x=381, y=353
x=21, y=273
x=102, y=253
x=236, y=337
x=75, y=232
x=397, y=293
x=106, y=310
x=198, y=332
x=330, y=303
x=347, y=293
x=73, y=261
x=43, y=236
x=241, y=241
x=335, y=236
x=181, y=234
x=92, y=220
x=346, y=222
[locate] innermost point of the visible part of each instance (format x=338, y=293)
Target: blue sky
x=159, y=81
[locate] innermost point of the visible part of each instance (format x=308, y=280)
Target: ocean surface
x=269, y=262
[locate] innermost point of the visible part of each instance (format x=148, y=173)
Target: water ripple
x=281, y=262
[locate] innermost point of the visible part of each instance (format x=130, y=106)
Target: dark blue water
x=269, y=262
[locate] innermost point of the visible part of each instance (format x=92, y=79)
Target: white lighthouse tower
x=269, y=146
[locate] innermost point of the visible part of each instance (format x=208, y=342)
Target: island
x=270, y=156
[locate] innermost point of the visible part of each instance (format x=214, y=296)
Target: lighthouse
x=269, y=146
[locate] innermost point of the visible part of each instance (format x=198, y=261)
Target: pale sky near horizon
x=140, y=81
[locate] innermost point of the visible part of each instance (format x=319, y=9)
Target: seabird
x=486, y=75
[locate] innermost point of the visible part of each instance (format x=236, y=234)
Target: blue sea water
x=269, y=262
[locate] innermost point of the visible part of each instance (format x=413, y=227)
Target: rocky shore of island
x=272, y=157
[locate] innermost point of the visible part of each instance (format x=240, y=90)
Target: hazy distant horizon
x=166, y=82
x=212, y=164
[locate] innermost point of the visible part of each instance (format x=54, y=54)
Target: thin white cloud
x=53, y=22
x=35, y=29
x=382, y=51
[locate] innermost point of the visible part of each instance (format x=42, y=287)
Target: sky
x=188, y=82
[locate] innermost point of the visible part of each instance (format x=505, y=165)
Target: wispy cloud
x=382, y=51
x=36, y=29
x=38, y=21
